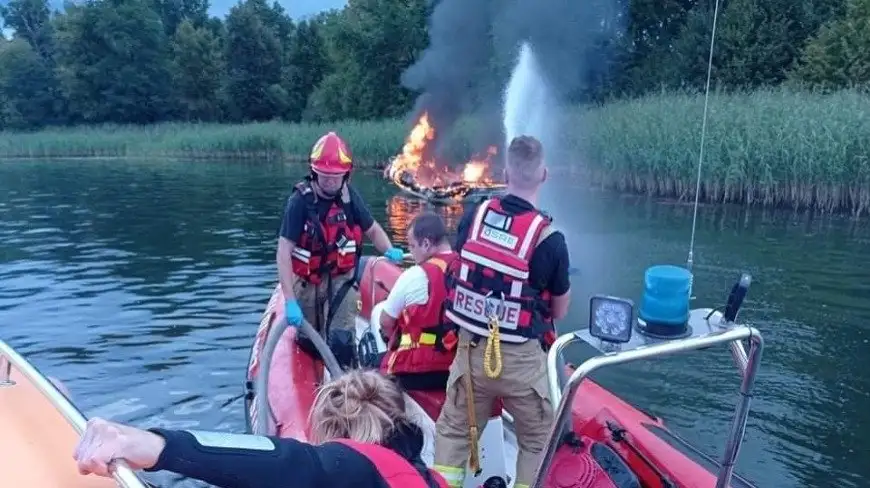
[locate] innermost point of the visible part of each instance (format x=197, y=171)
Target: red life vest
x=423, y=341
x=493, y=276
x=329, y=246
x=397, y=471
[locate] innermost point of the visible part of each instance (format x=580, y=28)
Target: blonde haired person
x=361, y=438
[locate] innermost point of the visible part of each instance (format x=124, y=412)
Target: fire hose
x=261, y=424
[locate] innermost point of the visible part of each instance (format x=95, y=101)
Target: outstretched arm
x=379, y=238
x=239, y=461
x=286, y=276
x=227, y=460
x=292, y=225
x=366, y=221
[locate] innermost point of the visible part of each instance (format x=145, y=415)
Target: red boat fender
x=377, y=278
x=397, y=471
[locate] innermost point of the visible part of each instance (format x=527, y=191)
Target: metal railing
x=9, y=358
x=748, y=364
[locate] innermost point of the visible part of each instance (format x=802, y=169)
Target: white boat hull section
x=498, y=444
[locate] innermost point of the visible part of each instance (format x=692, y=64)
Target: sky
x=295, y=8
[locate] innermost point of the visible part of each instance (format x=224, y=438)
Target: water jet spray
x=528, y=102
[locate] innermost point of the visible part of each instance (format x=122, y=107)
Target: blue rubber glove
x=293, y=313
x=395, y=255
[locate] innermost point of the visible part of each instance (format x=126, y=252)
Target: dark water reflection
x=140, y=284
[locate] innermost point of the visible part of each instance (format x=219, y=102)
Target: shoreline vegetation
x=771, y=147
x=160, y=65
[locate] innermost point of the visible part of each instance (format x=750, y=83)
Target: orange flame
x=411, y=163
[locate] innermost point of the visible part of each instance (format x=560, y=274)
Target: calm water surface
x=140, y=284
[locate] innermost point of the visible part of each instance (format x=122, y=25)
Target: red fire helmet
x=330, y=155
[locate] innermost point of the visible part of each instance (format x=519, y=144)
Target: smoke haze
x=473, y=46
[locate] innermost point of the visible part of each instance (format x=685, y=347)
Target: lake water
x=141, y=283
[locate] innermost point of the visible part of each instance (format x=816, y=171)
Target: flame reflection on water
x=401, y=210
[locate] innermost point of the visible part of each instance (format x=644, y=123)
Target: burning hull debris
x=424, y=177
x=456, y=191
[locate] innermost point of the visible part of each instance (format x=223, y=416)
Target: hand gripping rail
x=748, y=365
x=9, y=358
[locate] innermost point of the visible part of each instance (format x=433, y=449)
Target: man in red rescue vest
x=421, y=344
x=318, y=248
x=511, y=283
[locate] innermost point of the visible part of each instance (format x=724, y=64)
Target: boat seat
x=433, y=400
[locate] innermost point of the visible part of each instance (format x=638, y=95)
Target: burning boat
x=418, y=173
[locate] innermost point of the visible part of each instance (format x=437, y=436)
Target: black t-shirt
x=548, y=268
x=296, y=213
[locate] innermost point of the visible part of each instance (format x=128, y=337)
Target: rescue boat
x=40, y=427
x=598, y=440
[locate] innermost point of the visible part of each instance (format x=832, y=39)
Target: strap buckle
x=491, y=307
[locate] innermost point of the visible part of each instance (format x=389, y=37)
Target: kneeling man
x=421, y=344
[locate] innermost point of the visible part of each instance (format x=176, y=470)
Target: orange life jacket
x=492, y=276
x=397, y=471
x=423, y=341
x=330, y=246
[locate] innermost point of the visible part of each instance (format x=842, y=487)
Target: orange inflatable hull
x=38, y=439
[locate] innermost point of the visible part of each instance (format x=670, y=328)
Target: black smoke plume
x=456, y=74
x=459, y=49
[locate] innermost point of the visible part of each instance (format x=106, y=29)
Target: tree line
x=149, y=61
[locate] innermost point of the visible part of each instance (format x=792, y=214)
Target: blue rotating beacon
x=664, y=306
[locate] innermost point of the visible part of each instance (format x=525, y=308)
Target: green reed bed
x=370, y=141
x=772, y=148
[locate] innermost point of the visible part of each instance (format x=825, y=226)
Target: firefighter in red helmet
x=319, y=245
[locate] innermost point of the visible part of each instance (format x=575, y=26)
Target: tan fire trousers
x=307, y=295
x=522, y=385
